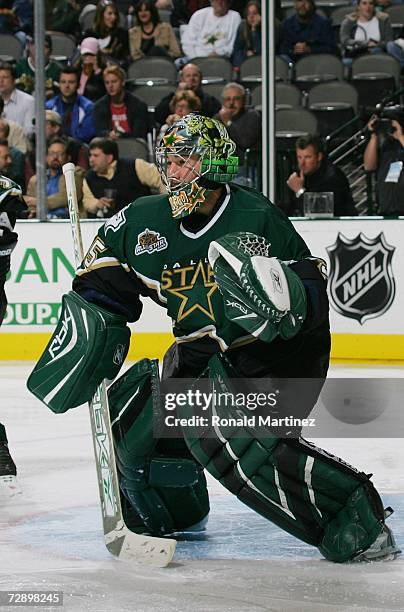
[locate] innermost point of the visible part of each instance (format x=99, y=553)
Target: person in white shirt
x=211, y=31
x=365, y=30
x=18, y=105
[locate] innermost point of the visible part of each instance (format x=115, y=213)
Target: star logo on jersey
x=192, y=300
x=172, y=138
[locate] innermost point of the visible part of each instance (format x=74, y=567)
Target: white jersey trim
x=213, y=220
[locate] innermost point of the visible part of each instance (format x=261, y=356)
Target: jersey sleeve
x=105, y=277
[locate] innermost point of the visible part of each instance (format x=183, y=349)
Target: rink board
x=365, y=259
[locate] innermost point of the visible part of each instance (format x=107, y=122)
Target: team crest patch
x=115, y=222
x=361, y=281
x=149, y=242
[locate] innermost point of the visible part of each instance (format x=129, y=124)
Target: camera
x=386, y=115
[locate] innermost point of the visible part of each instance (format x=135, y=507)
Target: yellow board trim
x=368, y=347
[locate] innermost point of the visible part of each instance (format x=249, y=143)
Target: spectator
x=119, y=113
x=62, y=16
x=53, y=124
x=75, y=110
x=76, y=151
x=191, y=79
x=396, y=48
x=18, y=106
x=243, y=125
x=12, y=163
x=182, y=103
x=113, y=39
x=56, y=196
x=90, y=66
x=365, y=30
x=10, y=23
x=316, y=173
x=24, y=11
x=305, y=32
x=211, y=31
x=25, y=69
x=150, y=36
x=12, y=132
x=384, y=155
x=112, y=183
x=182, y=11
x=248, y=39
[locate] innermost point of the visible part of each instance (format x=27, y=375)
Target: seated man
x=75, y=110
x=317, y=173
x=18, y=105
x=112, y=183
x=56, y=200
x=25, y=70
x=12, y=163
x=305, y=33
x=190, y=78
x=119, y=113
x=243, y=124
x=13, y=132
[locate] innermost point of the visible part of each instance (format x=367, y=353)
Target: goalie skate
x=384, y=548
x=8, y=474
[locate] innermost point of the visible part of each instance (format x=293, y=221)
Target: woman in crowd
x=184, y=102
x=113, y=39
x=365, y=30
x=248, y=39
x=91, y=64
x=150, y=36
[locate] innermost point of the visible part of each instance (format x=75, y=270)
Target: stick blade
x=129, y=546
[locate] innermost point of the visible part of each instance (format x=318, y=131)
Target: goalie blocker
x=88, y=345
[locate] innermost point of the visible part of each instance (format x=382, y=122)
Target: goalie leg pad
x=88, y=345
x=164, y=485
x=309, y=493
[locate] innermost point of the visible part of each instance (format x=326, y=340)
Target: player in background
x=247, y=300
x=12, y=206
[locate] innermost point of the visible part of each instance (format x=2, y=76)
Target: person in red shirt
x=119, y=113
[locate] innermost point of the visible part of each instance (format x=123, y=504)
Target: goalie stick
x=119, y=540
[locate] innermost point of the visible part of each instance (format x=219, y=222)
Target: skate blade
x=9, y=487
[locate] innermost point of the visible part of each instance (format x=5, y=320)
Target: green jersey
x=164, y=259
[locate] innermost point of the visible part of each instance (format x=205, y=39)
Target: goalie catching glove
x=261, y=293
x=88, y=345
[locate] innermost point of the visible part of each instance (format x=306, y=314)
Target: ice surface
x=50, y=535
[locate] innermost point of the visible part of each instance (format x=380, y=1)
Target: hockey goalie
x=247, y=300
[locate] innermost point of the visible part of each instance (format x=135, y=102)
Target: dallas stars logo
x=172, y=138
x=184, y=203
x=192, y=300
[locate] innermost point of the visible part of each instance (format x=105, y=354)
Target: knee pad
x=165, y=487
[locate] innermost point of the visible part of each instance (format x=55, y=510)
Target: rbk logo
x=361, y=279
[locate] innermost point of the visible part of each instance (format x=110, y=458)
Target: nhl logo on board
x=361, y=279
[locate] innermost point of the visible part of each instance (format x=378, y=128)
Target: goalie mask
x=195, y=157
